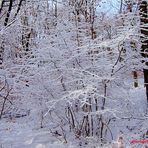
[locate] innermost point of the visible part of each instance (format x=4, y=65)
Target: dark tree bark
x=19, y=7
x=8, y=13
x=144, y=40
x=135, y=75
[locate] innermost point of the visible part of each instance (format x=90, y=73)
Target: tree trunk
x=18, y=9
x=135, y=76
x=144, y=40
x=8, y=13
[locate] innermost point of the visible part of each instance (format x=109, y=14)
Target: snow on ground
x=22, y=133
x=15, y=135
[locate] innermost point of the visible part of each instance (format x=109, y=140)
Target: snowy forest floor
x=23, y=133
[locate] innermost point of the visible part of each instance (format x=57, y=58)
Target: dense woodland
x=75, y=70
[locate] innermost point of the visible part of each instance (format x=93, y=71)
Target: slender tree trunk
x=26, y=32
x=144, y=40
x=3, y=106
x=18, y=9
x=8, y=13
x=1, y=53
x=135, y=76
x=121, y=6
x=92, y=20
